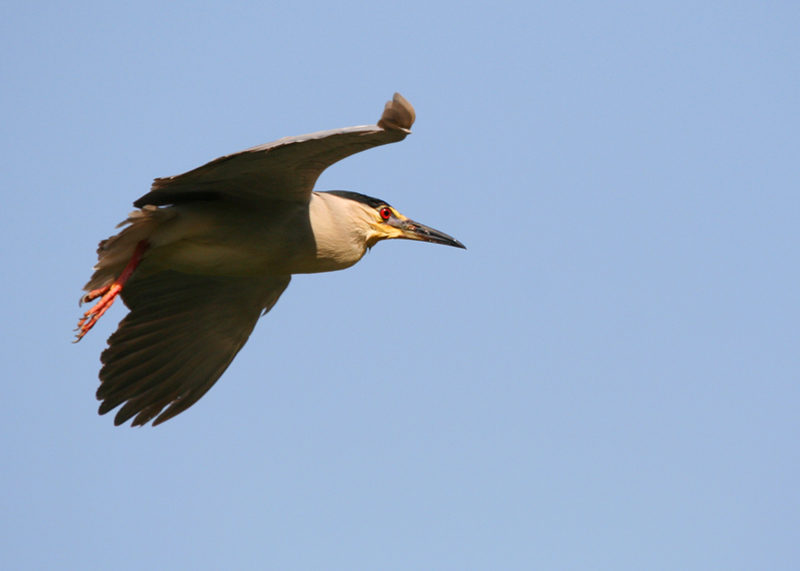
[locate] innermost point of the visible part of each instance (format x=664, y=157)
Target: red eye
x=386, y=213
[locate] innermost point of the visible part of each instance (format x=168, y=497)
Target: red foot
x=109, y=293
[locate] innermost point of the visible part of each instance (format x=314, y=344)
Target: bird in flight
x=210, y=251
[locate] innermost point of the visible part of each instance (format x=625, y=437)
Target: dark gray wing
x=181, y=334
x=286, y=169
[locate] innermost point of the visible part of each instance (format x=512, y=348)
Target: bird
x=208, y=252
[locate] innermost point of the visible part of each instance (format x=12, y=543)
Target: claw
x=108, y=293
x=94, y=294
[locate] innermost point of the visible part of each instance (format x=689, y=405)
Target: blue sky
x=605, y=379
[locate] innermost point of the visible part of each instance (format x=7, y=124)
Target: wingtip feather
x=398, y=115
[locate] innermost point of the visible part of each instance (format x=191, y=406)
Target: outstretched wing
x=286, y=169
x=181, y=334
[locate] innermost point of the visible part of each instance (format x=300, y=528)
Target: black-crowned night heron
x=211, y=250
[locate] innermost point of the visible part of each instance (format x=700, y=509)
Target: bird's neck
x=340, y=243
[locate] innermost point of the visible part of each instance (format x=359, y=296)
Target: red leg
x=109, y=293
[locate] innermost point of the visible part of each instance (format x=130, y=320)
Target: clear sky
x=606, y=379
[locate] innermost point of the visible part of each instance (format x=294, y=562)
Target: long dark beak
x=415, y=231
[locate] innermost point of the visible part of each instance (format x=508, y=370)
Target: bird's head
x=384, y=222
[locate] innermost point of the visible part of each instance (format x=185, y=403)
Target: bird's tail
x=114, y=253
